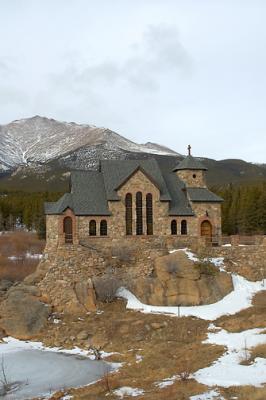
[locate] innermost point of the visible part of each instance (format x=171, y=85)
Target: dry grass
x=17, y=244
x=168, y=346
x=253, y=317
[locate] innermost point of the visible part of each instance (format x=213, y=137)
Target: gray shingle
x=190, y=163
x=203, y=195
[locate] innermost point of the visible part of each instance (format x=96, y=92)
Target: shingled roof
x=190, y=163
x=91, y=190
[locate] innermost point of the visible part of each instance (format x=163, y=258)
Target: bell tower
x=191, y=171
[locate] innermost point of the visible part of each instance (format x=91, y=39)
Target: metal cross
x=189, y=150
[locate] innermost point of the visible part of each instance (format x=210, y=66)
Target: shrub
x=106, y=287
x=206, y=268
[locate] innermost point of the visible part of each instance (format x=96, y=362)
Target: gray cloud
x=158, y=54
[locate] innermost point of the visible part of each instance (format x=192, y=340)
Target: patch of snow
x=227, y=371
x=128, y=391
x=166, y=382
x=227, y=245
x=239, y=299
x=211, y=395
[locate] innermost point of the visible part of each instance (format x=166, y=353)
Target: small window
x=173, y=227
x=194, y=176
x=92, y=228
x=183, y=227
x=103, y=228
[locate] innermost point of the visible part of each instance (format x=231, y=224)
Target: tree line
x=24, y=210
x=243, y=209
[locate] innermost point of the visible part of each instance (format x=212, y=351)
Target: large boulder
x=22, y=314
x=177, y=280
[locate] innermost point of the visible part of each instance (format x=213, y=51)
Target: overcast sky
x=166, y=71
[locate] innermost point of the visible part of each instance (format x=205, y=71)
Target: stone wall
x=192, y=178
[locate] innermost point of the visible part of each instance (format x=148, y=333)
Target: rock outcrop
x=176, y=280
x=23, y=313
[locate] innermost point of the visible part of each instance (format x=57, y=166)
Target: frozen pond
x=36, y=372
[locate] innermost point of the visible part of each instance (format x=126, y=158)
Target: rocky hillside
x=37, y=141
x=38, y=153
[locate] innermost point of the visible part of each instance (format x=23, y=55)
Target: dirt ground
x=154, y=347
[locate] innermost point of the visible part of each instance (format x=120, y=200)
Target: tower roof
x=190, y=163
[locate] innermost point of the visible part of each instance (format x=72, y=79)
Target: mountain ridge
x=38, y=153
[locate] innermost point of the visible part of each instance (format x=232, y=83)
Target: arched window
x=139, y=221
x=68, y=229
x=173, y=227
x=149, y=214
x=183, y=227
x=128, y=203
x=92, y=228
x=103, y=227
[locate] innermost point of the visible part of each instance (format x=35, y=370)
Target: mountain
x=38, y=153
x=38, y=140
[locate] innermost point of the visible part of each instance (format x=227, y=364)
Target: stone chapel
x=155, y=197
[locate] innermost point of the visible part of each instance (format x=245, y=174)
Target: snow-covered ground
x=38, y=370
x=227, y=371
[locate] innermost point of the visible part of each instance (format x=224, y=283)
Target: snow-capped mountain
x=38, y=140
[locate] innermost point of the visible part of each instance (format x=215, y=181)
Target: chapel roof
x=190, y=163
x=91, y=190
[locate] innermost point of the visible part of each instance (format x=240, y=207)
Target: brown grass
x=253, y=317
x=17, y=244
x=168, y=346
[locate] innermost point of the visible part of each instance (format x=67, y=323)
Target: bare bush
x=123, y=252
x=106, y=288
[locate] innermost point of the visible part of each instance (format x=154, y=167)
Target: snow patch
x=211, y=395
x=166, y=382
x=227, y=371
x=128, y=391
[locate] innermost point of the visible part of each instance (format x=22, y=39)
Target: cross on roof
x=189, y=150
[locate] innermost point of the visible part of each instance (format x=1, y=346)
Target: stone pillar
x=234, y=240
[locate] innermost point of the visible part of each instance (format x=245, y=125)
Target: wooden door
x=206, y=229
x=68, y=230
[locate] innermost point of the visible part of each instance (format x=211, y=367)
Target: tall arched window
x=103, y=227
x=128, y=204
x=139, y=221
x=173, y=227
x=68, y=229
x=183, y=227
x=149, y=214
x=92, y=228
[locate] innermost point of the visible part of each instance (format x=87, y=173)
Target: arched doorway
x=68, y=230
x=206, y=229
